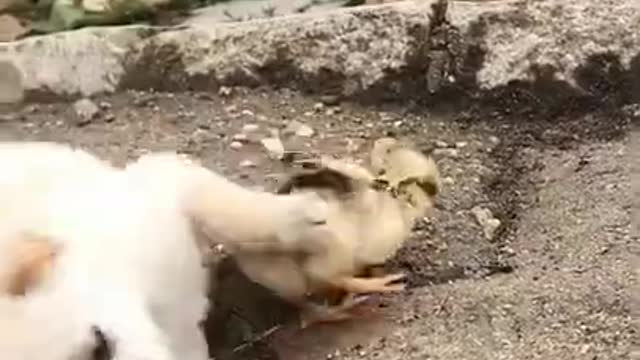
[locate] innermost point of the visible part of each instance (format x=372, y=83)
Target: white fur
x=47, y=325
x=29, y=170
x=238, y=217
x=129, y=259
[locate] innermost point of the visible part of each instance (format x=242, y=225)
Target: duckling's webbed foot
x=380, y=284
x=314, y=313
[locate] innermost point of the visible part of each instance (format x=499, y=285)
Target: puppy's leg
x=192, y=345
x=124, y=318
x=185, y=330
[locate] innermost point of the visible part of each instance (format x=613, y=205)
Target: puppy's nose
x=104, y=347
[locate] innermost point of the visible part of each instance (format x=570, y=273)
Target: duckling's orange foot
x=382, y=284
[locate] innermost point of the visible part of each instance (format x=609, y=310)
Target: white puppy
x=52, y=322
x=127, y=260
x=125, y=249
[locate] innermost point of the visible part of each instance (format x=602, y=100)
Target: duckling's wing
x=340, y=176
x=323, y=178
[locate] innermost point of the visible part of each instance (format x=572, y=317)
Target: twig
x=256, y=339
x=441, y=305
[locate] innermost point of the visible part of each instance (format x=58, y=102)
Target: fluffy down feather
x=370, y=216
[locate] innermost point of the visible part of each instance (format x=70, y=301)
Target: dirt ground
x=553, y=281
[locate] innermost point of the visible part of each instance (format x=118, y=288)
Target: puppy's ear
x=29, y=258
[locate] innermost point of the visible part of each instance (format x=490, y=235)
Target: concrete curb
x=413, y=48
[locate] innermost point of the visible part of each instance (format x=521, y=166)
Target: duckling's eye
x=431, y=189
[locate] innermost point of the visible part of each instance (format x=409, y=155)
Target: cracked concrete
x=518, y=35
x=391, y=51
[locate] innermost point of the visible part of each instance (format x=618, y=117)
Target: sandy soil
x=554, y=281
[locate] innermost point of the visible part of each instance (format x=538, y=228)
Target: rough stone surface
x=409, y=48
x=350, y=49
x=76, y=63
x=518, y=35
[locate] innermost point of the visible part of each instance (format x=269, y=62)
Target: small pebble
x=109, y=118
x=441, y=144
x=508, y=250
x=333, y=110
x=204, y=125
x=386, y=117
x=247, y=164
x=305, y=131
x=86, y=110
x=274, y=147
x=446, y=152
x=224, y=91
x=8, y=118
x=299, y=129
x=204, y=96
x=485, y=218
x=250, y=128
x=240, y=137
x=330, y=100
x=235, y=145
